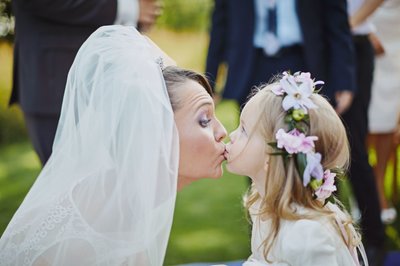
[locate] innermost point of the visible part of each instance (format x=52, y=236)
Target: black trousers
x=42, y=129
x=356, y=121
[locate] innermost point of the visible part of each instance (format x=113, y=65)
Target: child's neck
x=259, y=181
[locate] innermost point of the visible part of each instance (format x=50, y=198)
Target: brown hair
x=175, y=77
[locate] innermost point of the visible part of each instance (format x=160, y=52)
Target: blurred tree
x=184, y=15
x=6, y=20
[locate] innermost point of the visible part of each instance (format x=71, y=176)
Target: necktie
x=271, y=37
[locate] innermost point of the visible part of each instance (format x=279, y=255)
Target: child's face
x=246, y=150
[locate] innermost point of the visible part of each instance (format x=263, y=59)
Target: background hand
x=149, y=10
x=343, y=101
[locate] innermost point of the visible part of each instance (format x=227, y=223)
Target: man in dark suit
x=261, y=38
x=324, y=47
x=48, y=34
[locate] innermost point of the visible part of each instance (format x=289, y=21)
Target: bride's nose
x=219, y=132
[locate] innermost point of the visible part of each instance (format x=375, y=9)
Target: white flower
x=298, y=92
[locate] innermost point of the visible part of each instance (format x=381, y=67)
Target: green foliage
x=12, y=128
x=186, y=15
x=19, y=167
x=6, y=20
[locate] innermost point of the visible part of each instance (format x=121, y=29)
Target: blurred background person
x=260, y=38
x=356, y=120
x=384, y=110
x=48, y=34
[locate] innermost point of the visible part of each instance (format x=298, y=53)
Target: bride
x=107, y=194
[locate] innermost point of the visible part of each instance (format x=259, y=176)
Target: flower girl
x=293, y=146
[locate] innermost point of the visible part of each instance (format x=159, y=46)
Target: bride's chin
x=218, y=172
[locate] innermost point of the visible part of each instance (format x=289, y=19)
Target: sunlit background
x=210, y=223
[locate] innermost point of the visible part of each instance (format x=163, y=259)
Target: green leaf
x=301, y=160
x=273, y=145
x=288, y=118
x=315, y=184
x=278, y=153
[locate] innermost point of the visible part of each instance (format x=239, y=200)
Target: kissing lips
x=226, y=154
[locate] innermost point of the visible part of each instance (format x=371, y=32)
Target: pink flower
x=295, y=141
x=313, y=168
x=326, y=189
x=305, y=77
x=277, y=90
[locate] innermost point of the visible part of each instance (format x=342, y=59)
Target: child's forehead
x=254, y=102
x=252, y=108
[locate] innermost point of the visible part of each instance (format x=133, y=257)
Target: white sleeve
x=309, y=243
x=127, y=12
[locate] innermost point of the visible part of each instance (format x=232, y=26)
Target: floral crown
x=296, y=90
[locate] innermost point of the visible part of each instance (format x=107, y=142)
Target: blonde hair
x=283, y=185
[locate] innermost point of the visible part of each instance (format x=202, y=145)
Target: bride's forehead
x=192, y=92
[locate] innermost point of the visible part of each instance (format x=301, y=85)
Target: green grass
x=210, y=223
x=19, y=167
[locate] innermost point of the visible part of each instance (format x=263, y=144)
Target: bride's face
x=200, y=135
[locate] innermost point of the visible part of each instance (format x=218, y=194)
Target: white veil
x=107, y=194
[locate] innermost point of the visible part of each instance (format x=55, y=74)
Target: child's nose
x=232, y=136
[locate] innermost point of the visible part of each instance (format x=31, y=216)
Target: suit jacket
x=327, y=44
x=48, y=34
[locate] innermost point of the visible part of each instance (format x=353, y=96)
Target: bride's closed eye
x=204, y=122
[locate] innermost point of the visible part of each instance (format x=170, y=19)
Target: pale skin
x=201, y=150
x=149, y=11
x=343, y=101
x=200, y=135
x=364, y=12
x=245, y=153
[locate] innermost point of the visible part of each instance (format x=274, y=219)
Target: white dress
x=299, y=243
x=384, y=109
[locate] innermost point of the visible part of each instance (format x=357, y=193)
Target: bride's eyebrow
x=203, y=104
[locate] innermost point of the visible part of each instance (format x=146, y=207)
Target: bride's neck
x=183, y=182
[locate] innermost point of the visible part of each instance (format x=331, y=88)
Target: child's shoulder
x=304, y=227
x=312, y=232
x=305, y=234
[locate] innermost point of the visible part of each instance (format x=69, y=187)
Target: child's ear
x=266, y=164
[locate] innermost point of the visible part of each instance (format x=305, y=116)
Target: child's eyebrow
x=242, y=122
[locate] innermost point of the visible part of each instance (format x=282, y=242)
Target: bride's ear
x=167, y=60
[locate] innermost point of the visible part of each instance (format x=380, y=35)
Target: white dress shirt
x=127, y=12
x=288, y=26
